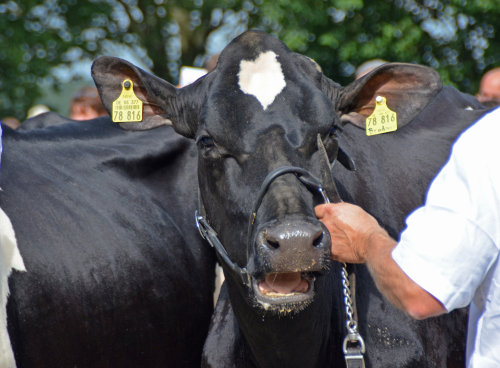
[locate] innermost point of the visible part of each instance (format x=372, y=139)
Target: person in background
x=489, y=88
x=36, y=110
x=368, y=66
x=189, y=74
x=11, y=122
x=86, y=104
x=448, y=255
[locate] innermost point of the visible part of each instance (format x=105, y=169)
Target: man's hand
x=358, y=238
x=351, y=229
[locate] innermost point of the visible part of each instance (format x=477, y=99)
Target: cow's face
x=263, y=108
x=264, y=111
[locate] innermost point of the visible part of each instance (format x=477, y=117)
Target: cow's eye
x=207, y=147
x=205, y=142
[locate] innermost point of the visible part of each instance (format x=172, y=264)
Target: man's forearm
x=357, y=237
x=396, y=286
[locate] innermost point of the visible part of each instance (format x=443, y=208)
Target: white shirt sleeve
x=452, y=241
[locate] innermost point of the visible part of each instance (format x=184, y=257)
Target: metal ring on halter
x=197, y=220
x=323, y=194
x=356, y=340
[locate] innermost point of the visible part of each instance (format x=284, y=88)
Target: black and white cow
x=264, y=121
x=111, y=271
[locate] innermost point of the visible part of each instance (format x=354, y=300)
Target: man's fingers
x=320, y=210
x=326, y=209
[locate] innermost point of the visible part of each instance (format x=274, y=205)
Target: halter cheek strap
x=304, y=176
x=208, y=233
x=353, y=346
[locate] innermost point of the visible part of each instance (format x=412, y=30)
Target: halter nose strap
x=309, y=180
x=306, y=178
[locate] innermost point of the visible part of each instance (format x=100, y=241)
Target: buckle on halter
x=199, y=224
x=323, y=194
x=354, y=348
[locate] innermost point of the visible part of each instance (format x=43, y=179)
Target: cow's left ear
x=407, y=88
x=160, y=99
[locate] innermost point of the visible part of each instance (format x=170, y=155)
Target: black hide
x=117, y=275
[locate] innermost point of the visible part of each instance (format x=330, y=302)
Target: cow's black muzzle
x=312, y=183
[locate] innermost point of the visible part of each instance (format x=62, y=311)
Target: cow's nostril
x=318, y=241
x=273, y=244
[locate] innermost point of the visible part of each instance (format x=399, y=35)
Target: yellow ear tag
x=127, y=108
x=382, y=119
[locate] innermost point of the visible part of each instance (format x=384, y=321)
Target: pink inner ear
x=393, y=89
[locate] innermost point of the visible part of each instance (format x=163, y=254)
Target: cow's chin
x=284, y=292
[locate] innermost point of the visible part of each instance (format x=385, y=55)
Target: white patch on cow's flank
x=10, y=258
x=262, y=78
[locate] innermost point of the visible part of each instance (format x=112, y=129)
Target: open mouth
x=283, y=284
x=284, y=292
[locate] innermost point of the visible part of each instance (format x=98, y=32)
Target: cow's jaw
x=284, y=292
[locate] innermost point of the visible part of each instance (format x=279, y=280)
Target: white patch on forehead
x=262, y=78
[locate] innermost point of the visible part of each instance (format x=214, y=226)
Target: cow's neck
x=311, y=338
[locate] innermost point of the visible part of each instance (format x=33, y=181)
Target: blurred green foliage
x=456, y=37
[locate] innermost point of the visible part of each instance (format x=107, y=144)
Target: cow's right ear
x=159, y=98
x=408, y=88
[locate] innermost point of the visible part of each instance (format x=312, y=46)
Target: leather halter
x=353, y=346
x=208, y=233
x=305, y=177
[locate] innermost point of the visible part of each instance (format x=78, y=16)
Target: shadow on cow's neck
x=309, y=338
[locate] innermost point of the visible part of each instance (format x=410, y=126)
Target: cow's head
x=262, y=109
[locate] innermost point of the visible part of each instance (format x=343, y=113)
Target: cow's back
x=116, y=273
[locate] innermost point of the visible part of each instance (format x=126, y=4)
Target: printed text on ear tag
x=382, y=119
x=127, y=108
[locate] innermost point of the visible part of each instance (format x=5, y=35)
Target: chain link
x=354, y=345
x=351, y=323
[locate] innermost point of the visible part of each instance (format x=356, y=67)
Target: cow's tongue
x=284, y=283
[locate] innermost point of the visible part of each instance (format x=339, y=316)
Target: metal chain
x=354, y=345
x=351, y=323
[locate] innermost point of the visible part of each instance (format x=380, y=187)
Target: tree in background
x=36, y=36
x=456, y=37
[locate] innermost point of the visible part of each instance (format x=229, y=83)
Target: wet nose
x=298, y=243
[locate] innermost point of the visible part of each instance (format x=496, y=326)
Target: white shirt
x=451, y=245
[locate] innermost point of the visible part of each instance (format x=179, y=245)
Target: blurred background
x=46, y=47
